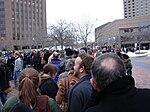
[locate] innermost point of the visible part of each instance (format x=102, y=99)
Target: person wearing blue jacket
x=80, y=93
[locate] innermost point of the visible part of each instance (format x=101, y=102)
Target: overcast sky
x=100, y=11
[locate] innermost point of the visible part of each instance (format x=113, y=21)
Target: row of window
x=29, y=17
x=144, y=29
x=137, y=1
x=2, y=19
x=19, y=36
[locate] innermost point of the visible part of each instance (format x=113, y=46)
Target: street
x=141, y=71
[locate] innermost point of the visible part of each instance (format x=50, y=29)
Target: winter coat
x=48, y=87
x=128, y=64
x=122, y=96
x=64, y=84
x=79, y=94
x=18, y=64
x=4, y=76
x=11, y=102
x=56, y=63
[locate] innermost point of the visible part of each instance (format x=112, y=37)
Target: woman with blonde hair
x=28, y=94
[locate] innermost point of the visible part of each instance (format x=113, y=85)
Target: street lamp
x=114, y=42
x=33, y=39
x=56, y=42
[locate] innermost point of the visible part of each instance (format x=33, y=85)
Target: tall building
x=22, y=24
x=132, y=31
x=136, y=8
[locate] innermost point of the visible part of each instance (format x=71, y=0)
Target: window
x=126, y=30
x=13, y=36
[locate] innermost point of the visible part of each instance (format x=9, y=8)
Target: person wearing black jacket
x=4, y=81
x=48, y=86
x=116, y=90
x=10, y=64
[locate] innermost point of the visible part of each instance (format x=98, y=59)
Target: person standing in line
x=56, y=62
x=116, y=90
x=4, y=80
x=10, y=64
x=118, y=52
x=128, y=64
x=28, y=94
x=17, y=67
x=66, y=80
x=80, y=93
x=48, y=86
x=68, y=55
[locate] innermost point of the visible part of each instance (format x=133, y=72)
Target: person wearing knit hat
x=69, y=52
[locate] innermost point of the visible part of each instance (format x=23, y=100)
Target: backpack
x=42, y=104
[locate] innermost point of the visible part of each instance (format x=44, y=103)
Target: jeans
x=16, y=76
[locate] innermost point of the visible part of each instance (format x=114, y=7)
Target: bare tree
x=84, y=30
x=61, y=32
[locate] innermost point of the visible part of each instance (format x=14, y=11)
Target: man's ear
x=93, y=84
x=81, y=69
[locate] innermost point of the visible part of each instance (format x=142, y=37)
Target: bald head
x=107, y=68
x=109, y=64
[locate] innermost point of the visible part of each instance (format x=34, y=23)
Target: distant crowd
x=70, y=81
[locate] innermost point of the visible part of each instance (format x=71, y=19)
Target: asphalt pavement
x=141, y=71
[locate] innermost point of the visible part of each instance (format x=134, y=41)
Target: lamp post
x=114, y=42
x=56, y=42
x=33, y=39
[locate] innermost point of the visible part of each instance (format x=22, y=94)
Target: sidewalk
x=14, y=90
x=143, y=53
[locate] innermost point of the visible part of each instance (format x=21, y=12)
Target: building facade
x=22, y=24
x=136, y=8
x=129, y=32
x=132, y=31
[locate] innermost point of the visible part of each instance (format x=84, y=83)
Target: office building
x=124, y=33
x=22, y=24
x=136, y=8
x=132, y=31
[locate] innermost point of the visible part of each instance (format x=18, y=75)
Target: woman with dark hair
x=48, y=86
x=28, y=94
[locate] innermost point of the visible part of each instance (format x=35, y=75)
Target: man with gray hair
x=116, y=91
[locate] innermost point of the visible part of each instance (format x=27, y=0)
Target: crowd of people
x=71, y=81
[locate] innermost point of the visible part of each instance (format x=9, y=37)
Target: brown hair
x=28, y=84
x=49, y=68
x=86, y=62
